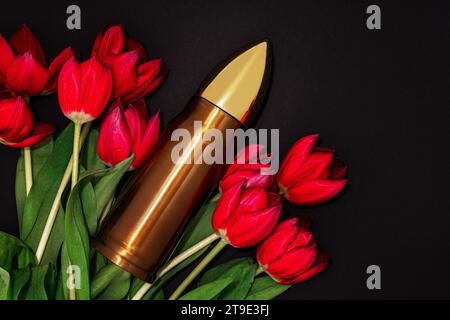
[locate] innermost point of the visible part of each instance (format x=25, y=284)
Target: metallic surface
x=144, y=225
x=241, y=81
x=156, y=204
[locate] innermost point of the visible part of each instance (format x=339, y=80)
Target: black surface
x=380, y=98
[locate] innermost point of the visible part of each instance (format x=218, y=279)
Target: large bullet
x=144, y=225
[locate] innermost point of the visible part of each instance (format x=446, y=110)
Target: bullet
x=145, y=224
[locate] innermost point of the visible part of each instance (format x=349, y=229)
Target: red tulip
x=310, y=176
x=134, y=75
x=84, y=89
x=247, y=166
x=126, y=131
x=289, y=255
x=23, y=66
x=244, y=217
x=17, y=126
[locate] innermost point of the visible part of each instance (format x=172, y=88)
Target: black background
x=379, y=97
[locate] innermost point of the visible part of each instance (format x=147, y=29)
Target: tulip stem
x=199, y=268
x=75, y=153
x=259, y=271
x=57, y=201
x=28, y=168
x=174, y=262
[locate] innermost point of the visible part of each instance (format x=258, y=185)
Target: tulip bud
x=17, y=126
x=244, y=217
x=84, y=89
x=126, y=131
x=247, y=167
x=310, y=176
x=134, y=76
x=23, y=66
x=289, y=255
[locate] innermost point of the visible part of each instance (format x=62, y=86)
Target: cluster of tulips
x=112, y=85
x=250, y=206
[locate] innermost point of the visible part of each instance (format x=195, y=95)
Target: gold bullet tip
x=241, y=81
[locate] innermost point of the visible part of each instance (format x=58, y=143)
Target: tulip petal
x=296, y=156
x=114, y=145
x=69, y=86
x=143, y=149
x=252, y=199
x=317, y=166
x=277, y=243
x=249, y=228
x=123, y=69
x=55, y=68
x=253, y=178
x=146, y=81
x=40, y=132
x=16, y=119
x=338, y=169
x=321, y=263
x=23, y=40
x=108, y=43
x=293, y=263
x=6, y=58
x=228, y=201
x=314, y=192
x=96, y=88
x=136, y=124
x=27, y=76
x=132, y=44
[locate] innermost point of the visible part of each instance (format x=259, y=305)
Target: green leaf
x=106, y=186
x=241, y=271
x=99, y=262
x=14, y=253
x=88, y=156
x=77, y=240
x=20, y=280
x=197, y=229
x=44, y=189
x=5, y=279
x=265, y=288
x=118, y=288
x=89, y=203
x=104, y=277
x=159, y=295
x=208, y=291
x=62, y=291
x=39, y=284
x=39, y=155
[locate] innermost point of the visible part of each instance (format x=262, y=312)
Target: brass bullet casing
x=144, y=225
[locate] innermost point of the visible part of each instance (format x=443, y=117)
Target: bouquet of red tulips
x=66, y=183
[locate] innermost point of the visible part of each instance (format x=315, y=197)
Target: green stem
x=75, y=153
x=28, y=168
x=57, y=201
x=174, y=262
x=199, y=268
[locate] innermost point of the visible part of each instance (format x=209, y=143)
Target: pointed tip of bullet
x=241, y=80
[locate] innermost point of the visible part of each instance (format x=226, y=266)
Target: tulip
x=289, y=255
x=247, y=166
x=134, y=75
x=23, y=66
x=245, y=216
x=309, y=175
x=17, y=126
x=84, y=90
x=126, y=131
